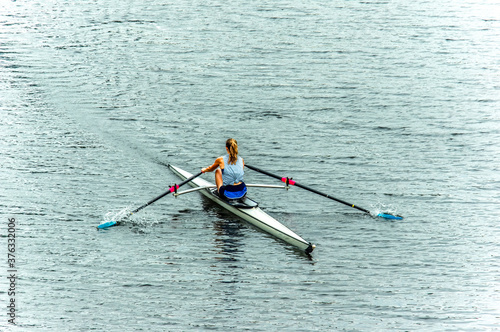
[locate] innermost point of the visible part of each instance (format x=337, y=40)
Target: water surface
x=388, y=105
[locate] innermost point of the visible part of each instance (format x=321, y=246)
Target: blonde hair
x=232, y=147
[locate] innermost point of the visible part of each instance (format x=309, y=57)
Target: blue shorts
x=233, y=192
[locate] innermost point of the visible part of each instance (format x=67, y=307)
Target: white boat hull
x=254, y=215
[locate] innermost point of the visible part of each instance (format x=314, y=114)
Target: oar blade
x=107, y=224
x=389, y=216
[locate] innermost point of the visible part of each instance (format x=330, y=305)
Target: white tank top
x=232, y=173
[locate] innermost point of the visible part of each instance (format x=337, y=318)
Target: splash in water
x=125, y=215
x=116, y=216
x=385, y=211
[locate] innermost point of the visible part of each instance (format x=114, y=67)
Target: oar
x=170, y=190
x=291, y=182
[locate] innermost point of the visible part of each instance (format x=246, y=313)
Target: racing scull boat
x=246, y=209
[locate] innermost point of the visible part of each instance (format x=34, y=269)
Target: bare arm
x=218, y=162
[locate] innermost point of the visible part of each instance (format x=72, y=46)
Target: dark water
x=390, y=105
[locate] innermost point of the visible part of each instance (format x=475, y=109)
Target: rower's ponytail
x=232, y=147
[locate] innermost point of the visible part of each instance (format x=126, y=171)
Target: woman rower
x=229, y=172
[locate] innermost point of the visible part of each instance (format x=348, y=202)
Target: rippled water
x=390, y=105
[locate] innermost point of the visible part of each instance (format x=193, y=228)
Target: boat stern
x=310, y=248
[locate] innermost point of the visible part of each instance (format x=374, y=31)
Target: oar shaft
x=331, y=197
x=307, y=188
x=264, y=172
x=171, y=189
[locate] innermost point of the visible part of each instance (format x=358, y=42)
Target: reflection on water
x=229, y=237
